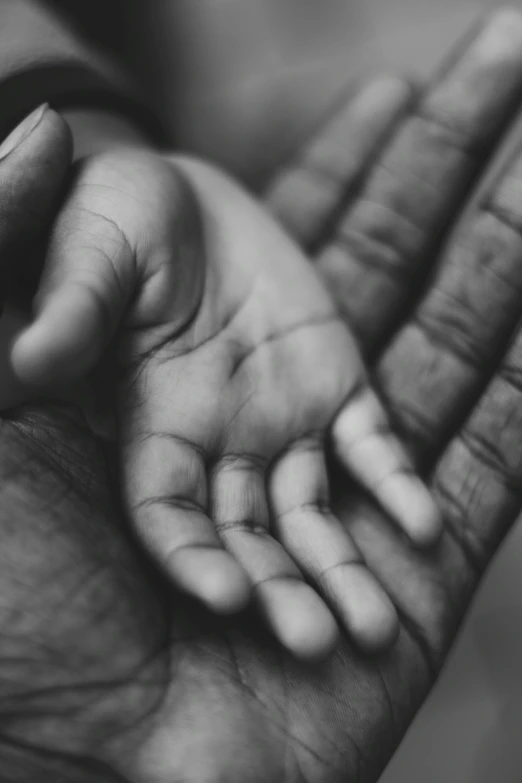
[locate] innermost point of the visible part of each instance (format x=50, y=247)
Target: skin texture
x=38, y=170
x=158, y=691
x=212, y=319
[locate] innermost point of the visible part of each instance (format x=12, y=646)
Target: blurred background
x=243, y=81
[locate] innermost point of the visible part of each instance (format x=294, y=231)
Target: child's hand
x=234, y=367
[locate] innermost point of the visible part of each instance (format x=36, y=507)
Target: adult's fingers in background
x=443, y=357
x=445, y=374
x=382, y=250
x=309, y=193
x=478, y=486
x=478, y=480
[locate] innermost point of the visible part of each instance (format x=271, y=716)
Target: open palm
x=160, y=691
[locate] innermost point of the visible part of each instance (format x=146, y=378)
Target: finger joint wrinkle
x=455, y=517
x=178, y=502
x=373, y=254
x=507, y=217
x=468, y=143
x=226, y=527
x=176, y=440
x=449, y=338
x=492, y=458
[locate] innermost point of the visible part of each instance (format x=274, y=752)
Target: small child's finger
x=296, y=614
x=324, y=550
x=210, y=574
x=183, y=541
x=165, y=480
x=373, y=455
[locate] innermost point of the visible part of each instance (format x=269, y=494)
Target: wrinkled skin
x=104, y=674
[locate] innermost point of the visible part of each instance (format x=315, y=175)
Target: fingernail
x=22, y=131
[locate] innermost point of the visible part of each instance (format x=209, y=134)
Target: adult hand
x=105, y=674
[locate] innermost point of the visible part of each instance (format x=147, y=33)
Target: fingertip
x=64, y=342
x=43, y=135
x=228, y=592
x=428, y=531
x=311, y=642
x=366, y=610
x=426, y=525
x=315, y=647
x=380, y=632
x=43, y=358
x=212, y=576
x=30, y=355
x=411, y=504
x=53, y=135
x=299, y=618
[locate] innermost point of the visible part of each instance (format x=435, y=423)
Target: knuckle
x=234, y=527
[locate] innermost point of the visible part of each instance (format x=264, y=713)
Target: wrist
x=97, y=130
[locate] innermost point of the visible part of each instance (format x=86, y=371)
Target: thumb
x=86, y=284
x=34, y=160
